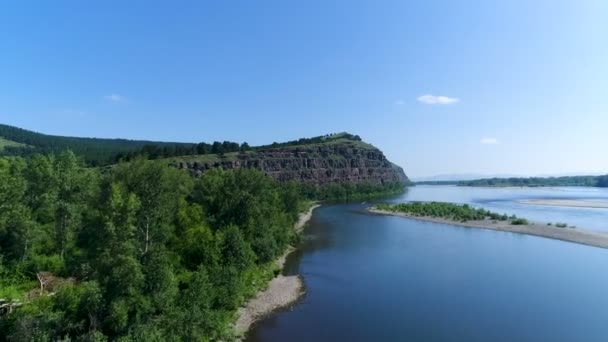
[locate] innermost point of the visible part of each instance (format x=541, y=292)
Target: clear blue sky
x=524, y=84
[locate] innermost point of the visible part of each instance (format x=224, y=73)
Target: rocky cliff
x=338, y=160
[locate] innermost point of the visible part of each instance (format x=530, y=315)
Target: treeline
x=102, y=152
x=591, y=181
x=437, y=183
x=158, y=151
x=142, y=252
x=314, y=140
x=95, y=151
x=450, y=211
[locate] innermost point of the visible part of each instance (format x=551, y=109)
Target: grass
x=8, y=143
x=208, y=158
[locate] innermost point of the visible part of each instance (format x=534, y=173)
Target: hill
x=96, y=151
x=10, y=144
x=337, y=158
x=320, y=160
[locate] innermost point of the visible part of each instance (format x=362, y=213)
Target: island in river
x=520, y=226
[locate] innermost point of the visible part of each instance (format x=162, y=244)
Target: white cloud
x=115, y=98
x=489, y=141
x=433, y=99
x=399, y=102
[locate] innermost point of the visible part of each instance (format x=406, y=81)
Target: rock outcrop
x=320, y=164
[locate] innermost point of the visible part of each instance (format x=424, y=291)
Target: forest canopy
x=16, y=141
x=141, y=250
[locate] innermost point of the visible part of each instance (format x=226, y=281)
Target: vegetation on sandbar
x=449, y=211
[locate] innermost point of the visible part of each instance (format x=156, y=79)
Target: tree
x=217, y=148
x=197, y=320
x=15, y=221
x=158, y=189
x=74, y=188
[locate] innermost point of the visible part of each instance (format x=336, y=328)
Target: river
x=385, y=278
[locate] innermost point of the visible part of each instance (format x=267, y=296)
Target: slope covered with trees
x=96, y=151
x=143, y=252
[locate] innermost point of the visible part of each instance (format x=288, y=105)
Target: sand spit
x=566, y=203
x=581, y=236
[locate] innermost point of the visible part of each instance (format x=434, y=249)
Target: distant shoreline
x=580, y=236
x=281, y=291
x=566, y=203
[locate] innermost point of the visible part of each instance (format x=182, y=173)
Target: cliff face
x=342, y=161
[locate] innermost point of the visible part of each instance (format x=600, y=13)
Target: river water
x=386, y=278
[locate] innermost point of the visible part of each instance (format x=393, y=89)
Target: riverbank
x=566, y=203
x=281, y=291
x=577, y=235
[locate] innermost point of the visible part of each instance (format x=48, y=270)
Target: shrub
x=519, y=222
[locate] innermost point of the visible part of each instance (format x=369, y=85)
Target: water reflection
x=381, y=278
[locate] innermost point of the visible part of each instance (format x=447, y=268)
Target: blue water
x=383, y=278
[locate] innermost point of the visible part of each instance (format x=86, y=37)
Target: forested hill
x=593, y=181
x=96, y=151
x=335, y=159
x=142, y=251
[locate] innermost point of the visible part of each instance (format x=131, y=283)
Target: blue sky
x=517, y=87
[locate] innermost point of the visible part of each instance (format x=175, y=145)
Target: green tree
x=74, y=185
x=158, y=189
x=15, y=221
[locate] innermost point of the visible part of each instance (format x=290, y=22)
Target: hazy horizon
x=442, y=88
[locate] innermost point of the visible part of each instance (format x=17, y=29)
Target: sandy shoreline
x=281, y=291
x=566, y=203
x=576, y=235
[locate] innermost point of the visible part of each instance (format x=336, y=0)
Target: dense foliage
x=105, y=151
x=142, y=252
x=449, y=211
x=95, y=151
x=156, y=151
x=594, y=181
